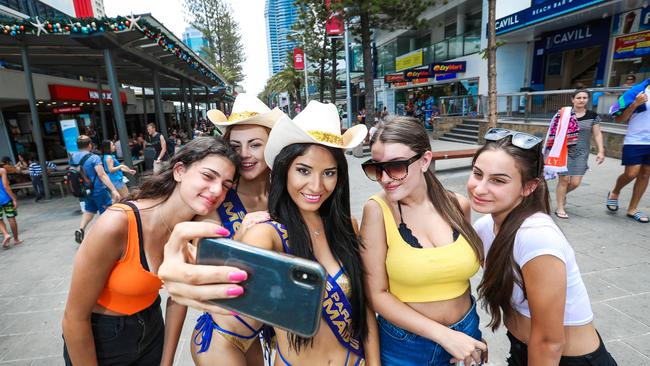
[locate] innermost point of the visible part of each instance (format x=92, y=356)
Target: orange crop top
x=425, y=274
x=130, y=287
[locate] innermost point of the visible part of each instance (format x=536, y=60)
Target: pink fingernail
x=234, y=291
x=223, y=232
x=234, y=313
x=237, y=276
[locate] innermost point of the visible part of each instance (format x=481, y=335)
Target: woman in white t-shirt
x=531, y=274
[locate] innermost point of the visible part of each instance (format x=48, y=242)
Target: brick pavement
x=613, y=253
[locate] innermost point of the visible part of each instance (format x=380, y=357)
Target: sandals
x=79, y=235
x=5, y=242
x=612, y=204
x=640, y=217
x=561, y=215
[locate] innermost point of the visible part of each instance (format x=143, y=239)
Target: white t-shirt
x=638, y=128
x=538, y=235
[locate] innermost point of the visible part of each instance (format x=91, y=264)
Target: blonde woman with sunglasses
x=419, y=253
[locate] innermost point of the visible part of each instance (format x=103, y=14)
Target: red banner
x=298, y=59
x=334, y=25
x=394, y=78
x=79, y=94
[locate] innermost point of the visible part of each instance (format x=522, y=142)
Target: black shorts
x=127, y=340
x=599, y=357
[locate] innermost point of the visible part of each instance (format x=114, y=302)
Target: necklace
x=163, y=219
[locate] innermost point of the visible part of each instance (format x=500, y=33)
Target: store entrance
x=576, y=68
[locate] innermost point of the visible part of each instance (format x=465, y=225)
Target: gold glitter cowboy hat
x=247, y=110
x=318, y=123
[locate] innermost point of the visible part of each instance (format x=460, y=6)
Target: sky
x=248, y=13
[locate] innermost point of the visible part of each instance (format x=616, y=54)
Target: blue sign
x=445, y=76
x=579, y=36
x=70, y=134
x=540, y=11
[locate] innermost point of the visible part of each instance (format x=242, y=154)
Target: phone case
x=281, y=290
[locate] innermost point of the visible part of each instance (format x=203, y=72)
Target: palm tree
x=287, y=80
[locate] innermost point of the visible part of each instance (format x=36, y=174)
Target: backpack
x=77, y=180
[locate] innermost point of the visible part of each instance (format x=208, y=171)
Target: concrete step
x=462, y=131
x=469, y=122
x=451, y=139
x=464, y=138
x=468, y=127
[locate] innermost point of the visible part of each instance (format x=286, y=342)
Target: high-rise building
x=280, y=16
x=89, y=8
x=194, y=39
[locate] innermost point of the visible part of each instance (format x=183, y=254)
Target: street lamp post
x=348, y=94
x=304, y=57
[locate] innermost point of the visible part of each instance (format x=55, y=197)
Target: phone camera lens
x=304, y=277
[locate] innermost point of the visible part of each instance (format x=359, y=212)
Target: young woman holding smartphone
x=246, y=203
x=113, y=314
x=419, y=253
x=531, y=274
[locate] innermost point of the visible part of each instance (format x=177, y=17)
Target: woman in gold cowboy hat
x=310, y=200
x=247, y=130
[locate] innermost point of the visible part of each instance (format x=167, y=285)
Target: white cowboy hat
x=247, y=110
x=318, y=123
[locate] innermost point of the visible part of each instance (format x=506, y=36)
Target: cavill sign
x=298, y=59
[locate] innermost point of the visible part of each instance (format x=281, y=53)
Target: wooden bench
x=55, y=181
x=451, y=154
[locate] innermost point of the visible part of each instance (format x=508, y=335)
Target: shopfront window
x=386, y=58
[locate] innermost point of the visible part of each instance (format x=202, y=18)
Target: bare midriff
x=579, y=340
x=444, y=312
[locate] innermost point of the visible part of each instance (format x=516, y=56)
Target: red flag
x=334, y=25
x=298, y=59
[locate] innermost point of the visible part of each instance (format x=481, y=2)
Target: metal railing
x=528, y=106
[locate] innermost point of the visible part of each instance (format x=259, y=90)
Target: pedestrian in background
x=157, y=142
x=8, y=206
x=113, y=314
x=531, y=282
x=114, y=169
x=633, y=107
x=102, y=191
x=36, y=175
x=416, y=226
x=578, y=153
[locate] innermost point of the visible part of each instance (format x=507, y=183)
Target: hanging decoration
x=88, y=26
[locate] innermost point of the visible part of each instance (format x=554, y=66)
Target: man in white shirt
x=636, y=155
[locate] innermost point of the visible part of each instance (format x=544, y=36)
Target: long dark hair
x=501, y=272
x=105, y=147
x=410, y=132
x=163, y=184
x=337, y=221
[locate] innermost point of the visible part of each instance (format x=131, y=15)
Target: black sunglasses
x=522, y=140
x=396, y=170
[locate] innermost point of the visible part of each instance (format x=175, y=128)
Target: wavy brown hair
x=501, y=272
x=163, y=184
x=410, y=132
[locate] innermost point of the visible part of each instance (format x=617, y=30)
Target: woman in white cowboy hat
x=247, y=130
x=310, y=199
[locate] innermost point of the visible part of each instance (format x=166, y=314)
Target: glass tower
x=280, y=16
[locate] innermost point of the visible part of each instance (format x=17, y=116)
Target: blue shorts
x=636, y=155
x=399, y=347
x=97, y=202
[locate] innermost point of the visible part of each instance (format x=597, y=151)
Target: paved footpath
x=613, y=253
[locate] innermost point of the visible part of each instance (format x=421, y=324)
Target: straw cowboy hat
x=318, y=123
x=247, y=110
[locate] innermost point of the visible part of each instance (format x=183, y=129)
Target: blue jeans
x=400, y=347
x=135, y=340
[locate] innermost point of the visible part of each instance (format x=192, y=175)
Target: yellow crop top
x=426, y=274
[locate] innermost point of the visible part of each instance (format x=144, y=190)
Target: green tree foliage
x=365, y=15
x=287, y=80
x=224, y=51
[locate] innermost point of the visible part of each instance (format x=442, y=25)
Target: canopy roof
x=75, y=47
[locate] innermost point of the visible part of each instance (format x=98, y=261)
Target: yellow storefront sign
x=411, y=59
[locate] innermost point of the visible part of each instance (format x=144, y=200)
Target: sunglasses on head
x=522, y=140
x=396, y=169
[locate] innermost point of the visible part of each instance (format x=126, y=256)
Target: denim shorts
x=98, y=201
x=129, y=339
x=399, y=347
x=599, y=357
